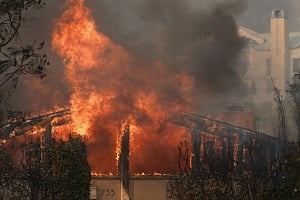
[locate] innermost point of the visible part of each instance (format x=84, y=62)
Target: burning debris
x=21, y=125
x=212, y=146
x=228, y=148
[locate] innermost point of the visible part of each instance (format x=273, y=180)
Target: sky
x=258, y=12
x=117, y=18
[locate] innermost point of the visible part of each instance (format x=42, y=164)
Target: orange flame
x=109, y=87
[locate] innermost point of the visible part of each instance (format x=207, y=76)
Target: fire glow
x=109, y=87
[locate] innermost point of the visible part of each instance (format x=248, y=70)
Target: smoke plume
x=195, y=37
x=144, y=61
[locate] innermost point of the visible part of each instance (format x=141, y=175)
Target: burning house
x=136, y=111
x=214, y=146
x=273, y=55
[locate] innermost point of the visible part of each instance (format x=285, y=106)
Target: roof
x=252, y=35
x=261, y=41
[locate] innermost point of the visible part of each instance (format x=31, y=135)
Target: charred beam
x=16, y=127
x=190, y=120
x=123, y=163
x=196, y=143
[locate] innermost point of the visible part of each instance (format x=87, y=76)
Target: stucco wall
x=140, y=188
x=257, y=75
x=148, y=188
x=107, y=188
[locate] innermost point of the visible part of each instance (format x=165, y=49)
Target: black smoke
x=196, y=38
x=143, y=27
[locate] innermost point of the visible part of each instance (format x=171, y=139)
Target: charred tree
x=282, y=125
x=294, y=91
x=123, y=162
x=196, y=142
x=15, y=61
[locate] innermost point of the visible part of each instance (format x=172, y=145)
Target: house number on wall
x=107, y=192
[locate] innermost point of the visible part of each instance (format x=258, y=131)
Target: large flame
x=110, y=86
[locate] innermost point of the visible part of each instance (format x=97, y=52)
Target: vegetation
x=282, y=183
x=278, y=179
x=51, y=170
x=294, y=91
x=70, y=172
x=43, y=168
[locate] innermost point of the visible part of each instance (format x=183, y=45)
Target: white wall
x=140, y=188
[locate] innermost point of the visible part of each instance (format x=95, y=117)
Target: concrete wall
x=153, y=188
x=107, y=188
x=140, y=188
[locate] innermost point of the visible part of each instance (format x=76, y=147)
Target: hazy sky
x=116, y=17
x=257, y=14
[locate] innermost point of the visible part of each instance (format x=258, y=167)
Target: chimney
x=280, y=68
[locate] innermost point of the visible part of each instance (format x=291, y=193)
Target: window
x=296, y=65
x=253, y=88
x=268, y=66
x=269, y=86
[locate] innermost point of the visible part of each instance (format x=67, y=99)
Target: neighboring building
x=273, y=55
